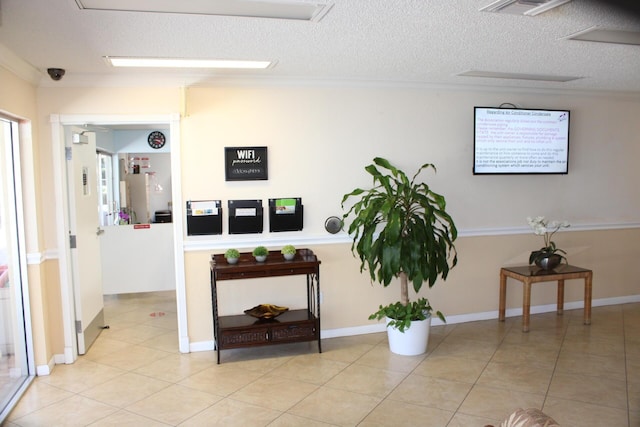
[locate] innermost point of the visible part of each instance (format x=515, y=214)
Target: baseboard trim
x=202, y=346
x=451, y=320
x=43, y=370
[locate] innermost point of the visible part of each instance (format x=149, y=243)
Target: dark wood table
x=242, y=330
x=529, y=275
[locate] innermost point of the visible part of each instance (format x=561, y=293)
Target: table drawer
x=297, y=332
x=242, y=338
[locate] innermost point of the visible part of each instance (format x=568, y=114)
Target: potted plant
x=401, y=229
x=289, y=252
x=549, y=256
x=232, y=256
x=260, y=253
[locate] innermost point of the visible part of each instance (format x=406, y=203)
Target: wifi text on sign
x=246, y=163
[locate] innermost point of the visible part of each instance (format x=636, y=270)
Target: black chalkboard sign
x=245, y=163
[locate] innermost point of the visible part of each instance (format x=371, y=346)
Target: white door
x=84, y=235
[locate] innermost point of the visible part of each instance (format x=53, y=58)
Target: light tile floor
x=474, y=374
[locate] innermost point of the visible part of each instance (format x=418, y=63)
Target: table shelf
x=300, y=325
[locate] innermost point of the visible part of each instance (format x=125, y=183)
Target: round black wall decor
x=156, y=139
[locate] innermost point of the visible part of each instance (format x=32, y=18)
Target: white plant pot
x=412, y=341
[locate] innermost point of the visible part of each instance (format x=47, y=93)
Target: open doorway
x=135, y=208
x=174, y=229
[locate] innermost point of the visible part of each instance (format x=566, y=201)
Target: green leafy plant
x=542, y=227
x=232, y=253
x=288, y=250
x=260, y=251
x=401, y=229
x=401, y=315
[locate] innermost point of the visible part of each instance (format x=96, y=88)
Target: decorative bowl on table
x=266, y=311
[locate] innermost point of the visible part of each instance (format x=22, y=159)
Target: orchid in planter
x=545, y=228
x=125, y=216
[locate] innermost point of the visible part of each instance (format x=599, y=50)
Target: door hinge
x=68, y=153
x=72, y=241
x=78, y=326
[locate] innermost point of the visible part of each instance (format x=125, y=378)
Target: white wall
x=135, y=141
x=137, y=260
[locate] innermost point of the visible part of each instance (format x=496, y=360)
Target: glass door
x=14, y=356
x=106, y=199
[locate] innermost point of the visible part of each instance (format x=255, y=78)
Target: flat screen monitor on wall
x=520, y=141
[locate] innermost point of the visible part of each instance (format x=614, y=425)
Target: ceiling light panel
x=185, y=63
x=603, y=35
x=278, y=9
x=518, y=76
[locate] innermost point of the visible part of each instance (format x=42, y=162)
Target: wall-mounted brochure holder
x=245, y=216
x=204, y=217
x=285, y=214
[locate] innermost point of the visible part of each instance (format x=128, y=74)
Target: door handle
x=99, y=231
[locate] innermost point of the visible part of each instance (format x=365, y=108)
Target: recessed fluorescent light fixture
x=186, y=63
x=523, y=7
x=518, y=76
x=305, y=10
x=603, y=35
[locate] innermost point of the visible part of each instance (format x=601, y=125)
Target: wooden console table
x=292, y=326
x=529, y=275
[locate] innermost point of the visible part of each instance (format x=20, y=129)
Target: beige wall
x=471, y=289
x=18, y=100
x=320, y=139
x=104, y=101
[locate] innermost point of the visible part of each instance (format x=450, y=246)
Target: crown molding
x=207, y=81
x=19, y=66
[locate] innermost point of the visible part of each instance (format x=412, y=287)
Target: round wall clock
x=156, y=139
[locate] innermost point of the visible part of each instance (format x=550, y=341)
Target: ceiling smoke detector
x=523, y=7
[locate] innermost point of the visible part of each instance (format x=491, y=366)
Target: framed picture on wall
x=245, y=163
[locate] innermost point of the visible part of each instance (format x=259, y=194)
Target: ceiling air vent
x=523, y=7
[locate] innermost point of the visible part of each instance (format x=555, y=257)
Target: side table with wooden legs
x=529, y=275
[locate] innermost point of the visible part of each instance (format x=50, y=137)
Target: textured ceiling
x=388, y=41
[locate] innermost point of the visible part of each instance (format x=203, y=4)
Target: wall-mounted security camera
x=55, y=73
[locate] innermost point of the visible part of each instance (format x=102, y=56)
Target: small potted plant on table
x=289, y=252
x=549, y=256
x=260, y=253
x=232, y=256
